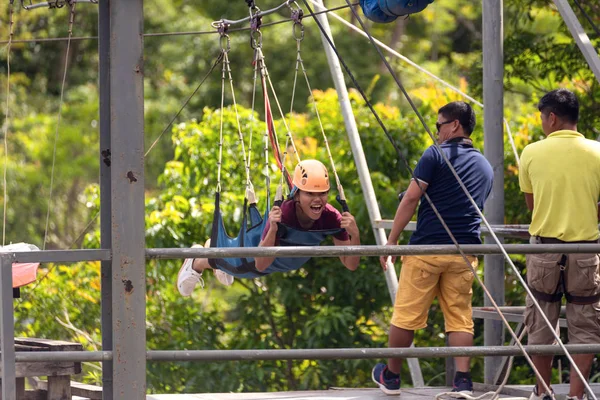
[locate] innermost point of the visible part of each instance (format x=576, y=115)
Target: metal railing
x=9, y=356
x=309, y=354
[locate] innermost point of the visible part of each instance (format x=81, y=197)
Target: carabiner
x=298, y=31
x=224, y=40
x=256, y=39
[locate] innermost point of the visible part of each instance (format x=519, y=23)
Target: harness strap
x=547, y=297
x=582, y=300
x=561, y=289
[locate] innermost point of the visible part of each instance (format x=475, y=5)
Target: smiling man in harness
x=560, y=177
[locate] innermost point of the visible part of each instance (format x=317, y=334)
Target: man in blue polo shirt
x=422, y=278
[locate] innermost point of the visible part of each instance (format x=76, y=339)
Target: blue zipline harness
x=253, y=225
x=253, y=221
x=384, y=11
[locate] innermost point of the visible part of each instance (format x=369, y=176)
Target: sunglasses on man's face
x=438, y=125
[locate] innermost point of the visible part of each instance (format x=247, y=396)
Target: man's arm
x=529, y=201
x=406, y=209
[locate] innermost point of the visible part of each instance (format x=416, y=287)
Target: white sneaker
x=188, y=278
x=536, y=396
x=577, y=398
x=223, y=277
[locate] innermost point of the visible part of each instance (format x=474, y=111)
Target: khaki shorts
x=422, y=278
x=582, y=279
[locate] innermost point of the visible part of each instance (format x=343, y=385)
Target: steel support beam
x=581, y=38
x=61, y=256
x=493, y=100
x=362, y=168
x=127, y=199
x=7, y=330
x=355, y=143
x=105, y=193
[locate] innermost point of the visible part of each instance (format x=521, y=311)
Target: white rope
x=421, y=69
x=237, y=119
x=220, y=158
x=485, y=396
x=59, y=118
x=316, y=108
x=259, y=61
x=285, y=124
x=249, y=186
x=489, y=395
x=264, y=80
x=7, y=120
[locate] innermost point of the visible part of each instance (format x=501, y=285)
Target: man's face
x=445, y=128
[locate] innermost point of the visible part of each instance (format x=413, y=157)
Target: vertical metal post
x=356, y=146
x=105, y=193
x=362, y=168
x=493, y=100
x=127, y=199
x=7, y=330
x=581, y=38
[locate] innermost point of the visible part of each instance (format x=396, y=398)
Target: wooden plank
x=91, y=392
x=52, y=345
x=59, y=388
x=507, y=390
x=35, y=395
x=47, y=369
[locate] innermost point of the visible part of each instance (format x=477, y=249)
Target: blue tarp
x=388, y=10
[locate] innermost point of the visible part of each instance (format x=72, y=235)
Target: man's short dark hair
x=461, y=111
x=563, y=103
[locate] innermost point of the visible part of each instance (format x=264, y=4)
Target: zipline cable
x=164, y=34
x=72, y=4
x=455, y=242
x=587, y=16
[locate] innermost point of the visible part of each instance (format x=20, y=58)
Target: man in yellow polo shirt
x=560, y=177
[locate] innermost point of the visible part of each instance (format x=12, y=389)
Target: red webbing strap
x=273, y=134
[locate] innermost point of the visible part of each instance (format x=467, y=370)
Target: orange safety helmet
x=311, y=176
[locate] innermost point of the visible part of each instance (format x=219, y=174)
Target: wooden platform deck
x=510, y=392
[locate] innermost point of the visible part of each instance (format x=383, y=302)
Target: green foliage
x=311, y=307
x=321, y=305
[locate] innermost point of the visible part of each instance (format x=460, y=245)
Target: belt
x=549, y=240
